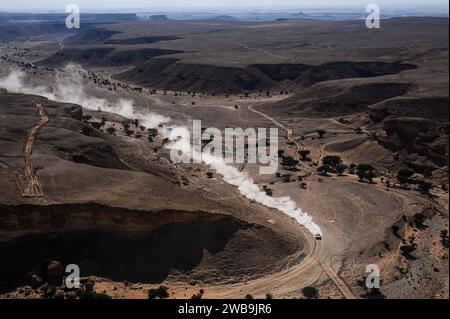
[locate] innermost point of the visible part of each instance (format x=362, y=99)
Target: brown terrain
x=80, y=185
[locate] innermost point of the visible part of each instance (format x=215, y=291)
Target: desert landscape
x=86, y=175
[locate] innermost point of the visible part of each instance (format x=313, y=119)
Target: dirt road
x=301, y=274
x=26, y=179
x=289, y=132
x=338, y=281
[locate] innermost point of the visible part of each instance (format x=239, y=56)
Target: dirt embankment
x=101, y=35
x=172, y=74
x=136, y=246
x=332, y=99
x=104, y=56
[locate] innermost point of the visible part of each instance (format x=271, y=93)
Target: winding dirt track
x=298, y=146
x=283, y=283
x=26, y=179
x=338, y=281
x=289, y=132
x=301, y=274
x=306, y=268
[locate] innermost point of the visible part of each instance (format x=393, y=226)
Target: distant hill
x=157, y=17
x=300, y=14
x=17, y=31
x=223, y=18
x=61, y=17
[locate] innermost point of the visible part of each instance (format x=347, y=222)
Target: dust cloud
x=69, y=88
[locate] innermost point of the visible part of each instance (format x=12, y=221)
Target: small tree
x=321, y=133
x=351, y=168
x=425, y=187
x=129, y=132
x=370, y=174
x=404, y=174
x=365, y=172
x=304, y=154
x=361, y=174
x=248, y=296
x=332, y=162
x=289, y=161
x=323, y=170
x=152, y=132
x=358, y=130
x=340, y=169
x=310, y=292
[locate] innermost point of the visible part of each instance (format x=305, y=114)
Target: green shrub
x=365, y=172
x=321, y=133
x=323, y=170
x=304, y=154
x=334, y=164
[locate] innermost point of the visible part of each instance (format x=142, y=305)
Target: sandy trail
x=26, y=179
x=305, y=273
x=338, y=281
x=289, y=132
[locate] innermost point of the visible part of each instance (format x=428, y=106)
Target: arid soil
x=115, y=204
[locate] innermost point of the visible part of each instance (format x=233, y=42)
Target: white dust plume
x=245, y=183
x=69, y=88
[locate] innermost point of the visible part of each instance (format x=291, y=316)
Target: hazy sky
x=149, y=4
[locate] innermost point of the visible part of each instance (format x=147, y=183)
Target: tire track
x=289, y=132
x=26, y=179
x=338, y=281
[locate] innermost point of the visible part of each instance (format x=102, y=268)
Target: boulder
x=55, y=269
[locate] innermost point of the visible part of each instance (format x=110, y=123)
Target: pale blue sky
x=149, y=4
